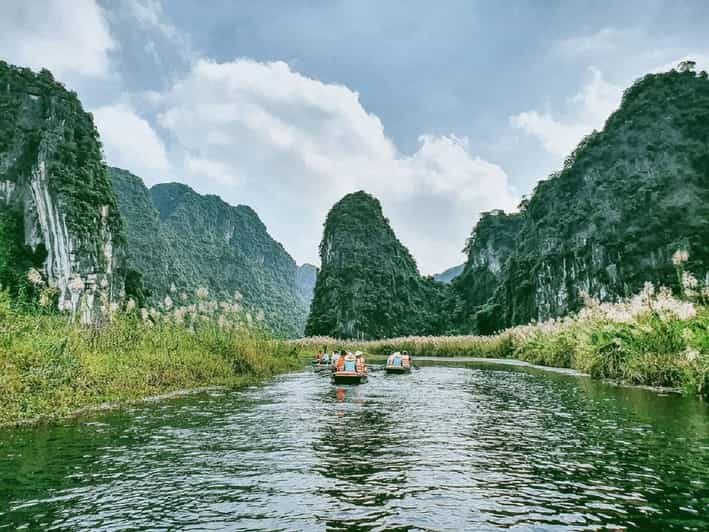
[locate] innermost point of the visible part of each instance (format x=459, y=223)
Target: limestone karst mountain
x=369, y=285
x=180, y=240
x=59, y=213
x=626, y=199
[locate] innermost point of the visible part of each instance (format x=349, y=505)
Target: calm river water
x=474, y=447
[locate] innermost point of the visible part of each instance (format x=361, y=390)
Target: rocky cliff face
x=626, y=199
x=59, y=211
x=181, y=240
x=489, y=247
x=369, y=285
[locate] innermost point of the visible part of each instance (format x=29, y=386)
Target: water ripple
x=445, y=448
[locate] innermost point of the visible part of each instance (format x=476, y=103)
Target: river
x=449, y=447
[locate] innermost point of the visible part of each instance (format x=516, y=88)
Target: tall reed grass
x=653, y=339
x=50, y=366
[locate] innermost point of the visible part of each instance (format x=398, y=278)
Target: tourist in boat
x=359, y=362
x=398, y=363
x=350, y=369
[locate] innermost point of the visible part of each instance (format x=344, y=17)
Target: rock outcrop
x=55, y=194
x=489, y=247
x=369, y=285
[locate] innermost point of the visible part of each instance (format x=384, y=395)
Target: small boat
x=350, y=369
x=321, y=362
x=398, y=363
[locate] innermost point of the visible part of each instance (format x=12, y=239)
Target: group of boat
x=350, y=368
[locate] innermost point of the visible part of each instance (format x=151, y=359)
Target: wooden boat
x=343, y=377
x=350, y=369
x=321, y=362
x=398, y=363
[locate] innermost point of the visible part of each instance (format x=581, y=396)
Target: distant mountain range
x=447, y=276
x=305, y=281
x=97, y=235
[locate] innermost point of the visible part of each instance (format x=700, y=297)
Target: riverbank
x=652, y=339
x=51, y=368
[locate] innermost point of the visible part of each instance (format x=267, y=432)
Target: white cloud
x=615, y=59
x=291, y=146
x=68, y=38
x=211, y=170
x=150, y=14
x=560, y=131
x=587, y=110
x=130, y=142
x=621, y=55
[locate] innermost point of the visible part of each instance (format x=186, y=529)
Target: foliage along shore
x=51, y=367
x=652, y=339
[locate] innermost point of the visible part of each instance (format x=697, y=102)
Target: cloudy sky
x=443, y=110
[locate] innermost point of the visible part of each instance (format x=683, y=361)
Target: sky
x=442, y=110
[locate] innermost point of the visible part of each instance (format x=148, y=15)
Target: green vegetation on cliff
x=59, y=213
x=16, y=258
x=151, y=258
x=492, y=242
x=369, y=285
x=44, y=124
x=180, y=241
x=626, y=199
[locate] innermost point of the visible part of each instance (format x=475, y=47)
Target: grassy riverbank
x=652, y=339
x=51, y=367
